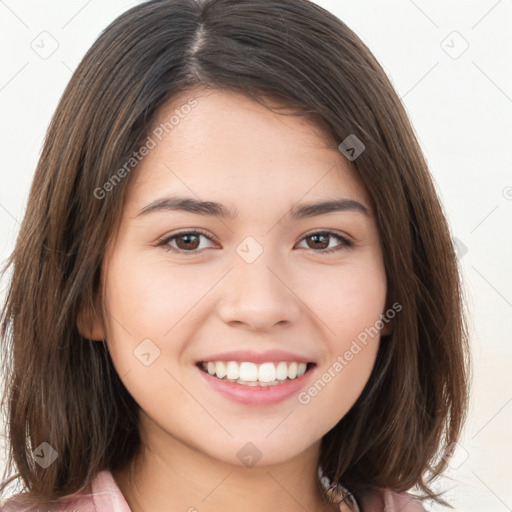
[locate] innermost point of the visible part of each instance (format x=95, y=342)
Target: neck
x=169, y=475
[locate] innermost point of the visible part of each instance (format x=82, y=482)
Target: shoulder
x=103, y=494
x=381, y=500
x=389, y=501
x=18, y=504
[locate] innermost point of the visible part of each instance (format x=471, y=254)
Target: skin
x=234, y=151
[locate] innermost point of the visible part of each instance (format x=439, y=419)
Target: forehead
x=223, y=144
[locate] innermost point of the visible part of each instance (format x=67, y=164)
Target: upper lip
x=257, y=357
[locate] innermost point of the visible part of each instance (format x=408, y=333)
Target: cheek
x=144, y=303
x=150, y=297
x=350, y=308
x=338, y=385
x=349, y=301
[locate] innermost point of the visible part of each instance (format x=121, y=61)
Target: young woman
x=234, y=286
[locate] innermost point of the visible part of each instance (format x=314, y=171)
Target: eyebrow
x=214, y=209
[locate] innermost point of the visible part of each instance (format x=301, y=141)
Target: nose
x=256, y=297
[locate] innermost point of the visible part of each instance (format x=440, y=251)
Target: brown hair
x=63, y=389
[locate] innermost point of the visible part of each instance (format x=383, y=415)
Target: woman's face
x=189, y=290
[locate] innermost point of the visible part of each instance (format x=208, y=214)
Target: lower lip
x=256, y=395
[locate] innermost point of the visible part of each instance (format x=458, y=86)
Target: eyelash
x=345, y=243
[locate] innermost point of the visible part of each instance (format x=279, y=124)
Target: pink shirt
x=107, y=497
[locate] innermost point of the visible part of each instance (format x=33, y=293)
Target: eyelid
x=346, y=237
x=192, y=231
x=346, y=240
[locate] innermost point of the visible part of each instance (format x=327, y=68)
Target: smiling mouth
x=252, y=374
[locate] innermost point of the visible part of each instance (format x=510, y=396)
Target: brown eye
x=186, y=241
x=190, y=241
x=320, y=242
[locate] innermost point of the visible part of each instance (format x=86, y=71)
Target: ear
x=387, y=329
x=388, y=321
x=90, y=325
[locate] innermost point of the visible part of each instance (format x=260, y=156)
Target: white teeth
x=221, y=370
x=232, y=371
x=282, y=371
x=266, y=374
x=248, y=372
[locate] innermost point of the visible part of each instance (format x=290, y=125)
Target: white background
x=461, y=107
